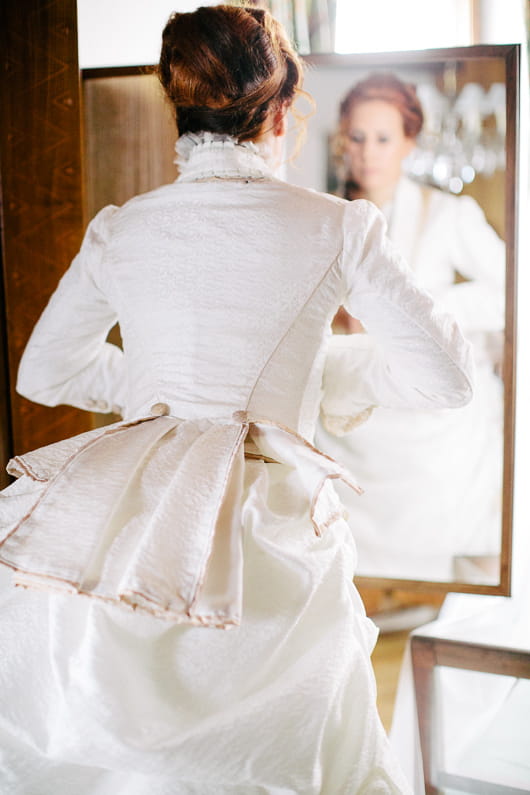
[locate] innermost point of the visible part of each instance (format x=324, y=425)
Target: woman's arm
x=478, y=255
x=413, y=355
x=67, y=359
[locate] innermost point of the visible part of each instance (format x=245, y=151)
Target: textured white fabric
x=224, y=286
x=432, y=480
x=440, y=234
x=157, y=520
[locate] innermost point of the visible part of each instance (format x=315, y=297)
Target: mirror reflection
x=426, y=143
x=435, y=508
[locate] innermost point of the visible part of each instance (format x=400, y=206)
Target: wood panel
x=489, y=191
x=130, y=135
x=6, y=441
x=42, y=214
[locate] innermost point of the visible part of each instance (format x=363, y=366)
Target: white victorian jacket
x=224, y=284
x=453, y=252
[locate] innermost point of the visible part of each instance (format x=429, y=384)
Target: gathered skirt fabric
x=99, y=700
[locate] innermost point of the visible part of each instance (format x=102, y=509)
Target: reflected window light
x=384, y=25
x=455, y=185
x=468, y=173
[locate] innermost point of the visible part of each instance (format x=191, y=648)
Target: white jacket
x=453, y=252
x=224, y=284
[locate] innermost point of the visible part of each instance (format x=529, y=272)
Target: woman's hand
x=344, y=323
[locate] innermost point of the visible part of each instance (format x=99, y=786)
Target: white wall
x=521, y=555
x=125, y=32
x=387, y=25
x=499, y=21
x=502, y=22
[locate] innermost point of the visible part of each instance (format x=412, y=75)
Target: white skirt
x=99, y=700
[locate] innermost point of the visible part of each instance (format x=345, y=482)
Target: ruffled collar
x=206, y=155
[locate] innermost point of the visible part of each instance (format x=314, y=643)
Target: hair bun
x=223, y=68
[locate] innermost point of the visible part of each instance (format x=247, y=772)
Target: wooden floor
x=386, y=659
x=390, y=647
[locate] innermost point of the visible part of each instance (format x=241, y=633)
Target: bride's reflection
x=432, y=480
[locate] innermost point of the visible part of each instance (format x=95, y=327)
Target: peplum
x=146, y=513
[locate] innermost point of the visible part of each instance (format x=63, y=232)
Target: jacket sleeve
x=479, y=255
x=67, y=359
x=412, y=356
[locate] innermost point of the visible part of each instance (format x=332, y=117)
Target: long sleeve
x=412, y=355
x=478, y=254
x=67, y=359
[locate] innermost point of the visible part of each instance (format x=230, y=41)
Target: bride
x=188, y=622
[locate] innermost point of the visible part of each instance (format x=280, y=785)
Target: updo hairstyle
x=224, y=68
x=386, y=87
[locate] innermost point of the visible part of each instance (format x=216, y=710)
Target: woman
x=207, y=508
x=432, y=479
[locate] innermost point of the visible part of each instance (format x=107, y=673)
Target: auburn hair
x=387, y=87
x=223, y=69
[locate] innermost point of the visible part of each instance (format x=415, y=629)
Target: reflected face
x=376, y=145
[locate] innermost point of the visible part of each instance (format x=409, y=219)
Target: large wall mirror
x=443, y=520
x=437, y=510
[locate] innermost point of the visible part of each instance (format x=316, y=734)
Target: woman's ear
x=279, y=122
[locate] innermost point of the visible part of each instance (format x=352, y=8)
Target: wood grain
x=130, y=136
x=42, y=192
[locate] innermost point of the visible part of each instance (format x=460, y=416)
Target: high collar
x=206, y=155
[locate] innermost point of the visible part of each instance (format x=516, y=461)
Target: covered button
x=160, y=408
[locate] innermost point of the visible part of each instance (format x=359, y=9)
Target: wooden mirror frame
x=510, y=54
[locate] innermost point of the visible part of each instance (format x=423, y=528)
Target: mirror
x=127, y=121
x=436, y=513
